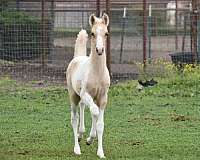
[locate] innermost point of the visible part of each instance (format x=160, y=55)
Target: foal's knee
x=82, y=104
x=81, y=130
x=100, y=127
x=74, y=118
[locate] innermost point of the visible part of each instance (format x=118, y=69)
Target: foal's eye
x=92, y=34
x=106, y=34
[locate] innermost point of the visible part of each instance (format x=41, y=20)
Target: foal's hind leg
x=74, y=123
x=92, y=135
x=74, y=99
x=82, y=124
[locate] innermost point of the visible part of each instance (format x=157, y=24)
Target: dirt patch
x=130, y=142
x=178, y=117
x=148, y=119
x=56, y=74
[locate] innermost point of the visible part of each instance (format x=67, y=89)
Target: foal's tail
x=81, y=44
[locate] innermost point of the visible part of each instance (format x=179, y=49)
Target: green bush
x=4, y=4
x=21, y=36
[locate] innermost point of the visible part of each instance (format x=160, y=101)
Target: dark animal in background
x=147, y=83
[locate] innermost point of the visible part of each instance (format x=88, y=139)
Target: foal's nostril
x=97, y=50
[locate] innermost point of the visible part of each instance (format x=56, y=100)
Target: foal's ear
x=105, y=19
x=92, y=19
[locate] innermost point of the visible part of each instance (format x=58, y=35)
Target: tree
x=4, y=4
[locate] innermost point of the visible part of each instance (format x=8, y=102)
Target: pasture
x=160, y=122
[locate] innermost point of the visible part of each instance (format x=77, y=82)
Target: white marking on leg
x=87, y=99
x=90, y=139
x=100, y=129
x=74, y=123
x=82, y=124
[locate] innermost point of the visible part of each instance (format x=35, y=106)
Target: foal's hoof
x=100, y=154
x=77, y=150
x=89, y=141
x=102, y=157
x=79, y=139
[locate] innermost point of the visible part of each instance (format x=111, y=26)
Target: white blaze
x=99, y=39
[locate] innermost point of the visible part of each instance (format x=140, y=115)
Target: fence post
x=52, y=10
x=43, y=34
x=184, y=35
x=17, y=5
x=198, y=52
x=122, y=35
x=108, y=38
x=149, y=32
x=97, y=8
x=176, y=26
x=194, y=30
x=82, y=16
x=144, y=33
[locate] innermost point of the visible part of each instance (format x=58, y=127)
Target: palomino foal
x=88, y=82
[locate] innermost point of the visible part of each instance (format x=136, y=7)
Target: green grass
x=161, y=122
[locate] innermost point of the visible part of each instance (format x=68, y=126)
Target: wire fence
x=37, y=37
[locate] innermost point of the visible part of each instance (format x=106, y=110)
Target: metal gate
x=37, y=36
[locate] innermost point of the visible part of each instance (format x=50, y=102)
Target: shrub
x=4, y=4
x=21, y=36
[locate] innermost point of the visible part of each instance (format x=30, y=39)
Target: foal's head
x=99, y=32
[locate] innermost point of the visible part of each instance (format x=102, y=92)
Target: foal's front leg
x=87, y=99
x=100, y=125
x=100, y=129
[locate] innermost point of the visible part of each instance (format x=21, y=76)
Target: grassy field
x=157, y=123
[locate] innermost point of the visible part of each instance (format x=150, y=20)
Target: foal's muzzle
x=99, y=51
